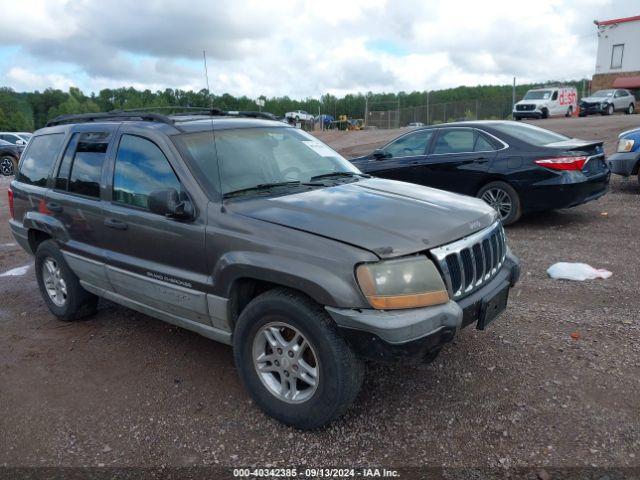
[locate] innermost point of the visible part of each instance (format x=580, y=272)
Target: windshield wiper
x=265, y=187
x=340, y=174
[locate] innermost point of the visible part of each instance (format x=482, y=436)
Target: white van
x=547, y=102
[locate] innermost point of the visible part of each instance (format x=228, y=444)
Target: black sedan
x=517, y=168
x=9, y=156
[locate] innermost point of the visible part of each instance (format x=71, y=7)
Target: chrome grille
x=469, y=263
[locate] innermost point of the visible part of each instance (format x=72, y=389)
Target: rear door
x=152, y=259
x=405, y=156
x=459, y=160
x=75, y=200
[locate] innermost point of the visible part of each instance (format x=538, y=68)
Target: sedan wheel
x=631, y=109
x=499, y=200
x=504, y=200
x=610, y=110
x=6, y=166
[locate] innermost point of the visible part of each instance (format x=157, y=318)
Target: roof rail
x=114, y=115
x=146, y=114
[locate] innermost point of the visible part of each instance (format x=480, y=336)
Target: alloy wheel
x=285, y=362
x=6, y=166
x=54, y=284
x=499, y=200
x=630, y=109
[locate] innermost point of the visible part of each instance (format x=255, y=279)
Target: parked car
x=299, y=116
x=626, y=161
x=606, y=102
x=13, y=138
x=261, y=237
x=9, y=156
x=546, y=102
x=515, y=167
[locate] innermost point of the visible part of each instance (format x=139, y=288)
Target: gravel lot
x=555, y=382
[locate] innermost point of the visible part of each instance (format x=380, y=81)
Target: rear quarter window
x=38, y=159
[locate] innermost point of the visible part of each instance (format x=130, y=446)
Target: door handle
x=481, y=160
x=115, y=224
x=54, y=207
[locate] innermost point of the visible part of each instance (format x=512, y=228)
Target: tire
x=339, y=372
x=569, y=112
x=630, y=109
x=517, y=118
x=502, y=193
x=610, y=110
x=545, y=113
x=8, y=165
x=71, y=301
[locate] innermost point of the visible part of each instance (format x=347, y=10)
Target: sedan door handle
x=115, y=224
x=54, y=207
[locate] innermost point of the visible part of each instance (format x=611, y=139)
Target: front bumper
x=590, y=109
x=624, y=164
x=527, y=113
x=416, y=334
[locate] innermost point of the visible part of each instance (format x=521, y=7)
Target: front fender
x=320, y=283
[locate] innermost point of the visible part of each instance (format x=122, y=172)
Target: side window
x=81, y=166
x=483, y=144
x=555, y=95
x=410, y=145
x=459, y=140
x=141, y=168
x=38, y=159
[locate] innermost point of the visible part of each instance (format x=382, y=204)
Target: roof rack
x=142, y=115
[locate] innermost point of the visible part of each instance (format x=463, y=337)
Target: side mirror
x=379, y=154
x=20, y=142
x=167, y=202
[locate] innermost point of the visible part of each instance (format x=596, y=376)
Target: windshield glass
x=252, y=157
x=538, y=95
x=603, y=93
x=529, y=133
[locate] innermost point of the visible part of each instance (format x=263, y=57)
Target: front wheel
x=293, y=362
x=504, y=199
x=7, y=165
x=609, y=110
x=630, y=109
x=545, y=113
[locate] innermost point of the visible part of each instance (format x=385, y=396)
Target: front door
x=153, y=260
x=402, y=157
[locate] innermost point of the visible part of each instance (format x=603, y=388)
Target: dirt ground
x=554, y=382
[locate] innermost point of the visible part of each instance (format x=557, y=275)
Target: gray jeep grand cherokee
x=257, y=235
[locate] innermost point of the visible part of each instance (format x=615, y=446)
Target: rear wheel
x=569, y=112
x=504, y=199
x=7, y=165
x=59, y=286
x=290, y=357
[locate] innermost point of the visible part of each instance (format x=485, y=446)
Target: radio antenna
x=214, y=150
x=206, y=76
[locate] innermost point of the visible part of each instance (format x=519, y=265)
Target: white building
x=618, y=58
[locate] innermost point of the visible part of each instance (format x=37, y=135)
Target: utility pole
x=366, y=109
x=513, y=94
x=427, y=107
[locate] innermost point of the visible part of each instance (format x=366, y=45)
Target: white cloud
x=299, y=48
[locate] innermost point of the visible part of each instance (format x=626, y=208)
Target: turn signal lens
x=10, y=193
x=405, y=283
x=625, y=145
x=563, y=163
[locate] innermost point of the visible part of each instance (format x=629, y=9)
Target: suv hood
x=386, y=217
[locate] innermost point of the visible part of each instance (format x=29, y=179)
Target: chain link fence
x=485, y=109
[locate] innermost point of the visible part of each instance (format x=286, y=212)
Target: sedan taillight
x=10, y=193
x=563, y=163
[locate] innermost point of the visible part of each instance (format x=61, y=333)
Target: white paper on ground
x=576, y=271
x=15, y=272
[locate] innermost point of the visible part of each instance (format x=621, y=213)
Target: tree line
x=27, y=111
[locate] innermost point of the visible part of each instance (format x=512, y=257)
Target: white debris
x=8, y=245
x=15, y=272
x=576, y=271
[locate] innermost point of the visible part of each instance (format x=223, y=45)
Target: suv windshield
x=254, y=158
x=603, y=93
x=538, y=95
x=529, y=133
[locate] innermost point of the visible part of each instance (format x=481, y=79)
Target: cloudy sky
x=297, y=48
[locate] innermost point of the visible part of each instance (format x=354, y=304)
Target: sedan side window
x=140, y=168
x=459, y=140
x=410, y=145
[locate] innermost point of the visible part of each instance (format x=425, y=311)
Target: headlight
x=405, y=283
x=625, y=145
